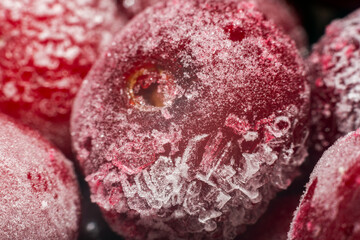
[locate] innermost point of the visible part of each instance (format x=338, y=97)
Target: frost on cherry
x=329, y=209
x=46, y=49
x=280, y=12
x=335, y=79
x=39, y=195
x=185, y=133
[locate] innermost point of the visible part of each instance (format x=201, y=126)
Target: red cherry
x=334, y=74
x=39, y=194
x=46, y=49
x=330, y=208
x=185, y=131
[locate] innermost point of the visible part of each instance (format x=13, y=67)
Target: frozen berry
x=192, y=121
x=278, y=11
x=39, y=195
x=329, y=209
x=335, y=79
x=46, y=49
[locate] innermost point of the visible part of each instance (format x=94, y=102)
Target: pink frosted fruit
x=46, y=49
x=329, y=209
x=192, y=121
x=335, y=78
x=283, y=15
x=39, y=195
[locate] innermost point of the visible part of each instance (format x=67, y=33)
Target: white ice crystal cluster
x=225, y=186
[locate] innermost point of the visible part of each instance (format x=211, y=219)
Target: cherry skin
x=39, y=194
x=46, y=49
x=334, y=75
x=279, y=11
x=192, y=121
x=329, y=209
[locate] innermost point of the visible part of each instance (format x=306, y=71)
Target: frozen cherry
x=334, y=73
x=46, y=49
x=278, y=11
x=329, y=209
x=39, y=195
x=192, y=121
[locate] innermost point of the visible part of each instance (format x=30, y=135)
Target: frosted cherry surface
x=46, y=49
x=329, y=209
x=335, y=79
x=39, y=195
x=192, y=121
x=283, y=15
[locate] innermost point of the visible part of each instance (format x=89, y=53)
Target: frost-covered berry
x=283, y=15
x=39, y=195
x=330, y=209
x=335, y=78
x=46, y=49
x=192, y=121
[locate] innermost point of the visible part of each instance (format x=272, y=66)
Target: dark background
x=316, y=14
